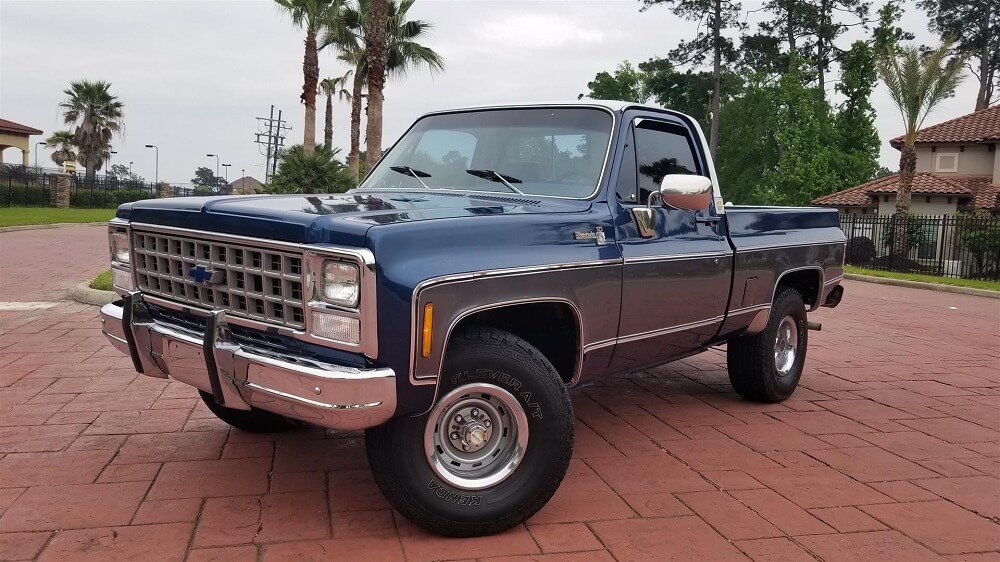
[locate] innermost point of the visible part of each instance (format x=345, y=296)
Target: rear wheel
x=766, y=367
x=253, y=420
x=491, y=452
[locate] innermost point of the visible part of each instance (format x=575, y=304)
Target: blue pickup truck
x=493, y=258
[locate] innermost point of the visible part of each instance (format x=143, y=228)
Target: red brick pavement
x=890, y=450
x=44, y=264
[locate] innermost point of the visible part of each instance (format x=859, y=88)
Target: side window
x=661, y=149
x=626, y=187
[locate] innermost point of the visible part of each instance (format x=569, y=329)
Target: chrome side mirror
x=686, y=192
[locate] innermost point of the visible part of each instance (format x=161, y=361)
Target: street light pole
x=153, y=146
x=243, y=181
x=216, y=163
x=130, y=169
x=226, y=166
x=110, y=152
x=36, y=152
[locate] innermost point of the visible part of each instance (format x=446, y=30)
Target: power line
x=271, y=141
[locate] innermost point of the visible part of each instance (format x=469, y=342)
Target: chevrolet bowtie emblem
x=205, y=276
x=597, y=235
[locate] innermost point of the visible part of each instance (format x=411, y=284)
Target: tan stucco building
x=16, y=135
x=958, y=169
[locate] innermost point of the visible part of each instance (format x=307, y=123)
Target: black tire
x=751, y=359
x=400, y=462
x=253, y=420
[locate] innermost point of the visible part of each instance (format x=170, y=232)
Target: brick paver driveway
x=890, y=450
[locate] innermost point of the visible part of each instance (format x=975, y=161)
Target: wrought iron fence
x=22, y=186
x=964, y=245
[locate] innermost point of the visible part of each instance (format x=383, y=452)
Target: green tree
x=315, y=172
x=404, y=53
x=312, y=16
x=97, y=115
x=974, y=25
x=749, y=147
x=626, y=84
x=719, y=16
x=887, y=34
x=333, y=87
x=64, y=146
x=979, y=235
x=917, y=84
x=807, y=159
x=857, y=137
x=205, y=178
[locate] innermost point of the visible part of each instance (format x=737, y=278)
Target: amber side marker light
x=428, y=333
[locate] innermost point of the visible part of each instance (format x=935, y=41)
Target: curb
x=83, y=293
x=922, y=285
x=44, y=226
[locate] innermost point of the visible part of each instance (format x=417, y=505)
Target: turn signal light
x=428, y=332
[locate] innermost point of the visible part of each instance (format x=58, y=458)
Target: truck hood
x=342, y=219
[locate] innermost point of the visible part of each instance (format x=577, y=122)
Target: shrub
x=860, y=250
x=24, y=196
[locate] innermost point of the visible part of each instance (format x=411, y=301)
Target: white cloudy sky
x=194, y=74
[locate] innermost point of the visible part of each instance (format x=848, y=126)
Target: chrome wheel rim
x=786, y=344
x=476, y=436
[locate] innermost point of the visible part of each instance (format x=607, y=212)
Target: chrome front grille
x=262, y=284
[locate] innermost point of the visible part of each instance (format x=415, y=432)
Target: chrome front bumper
x=239, y=377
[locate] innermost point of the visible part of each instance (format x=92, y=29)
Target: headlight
x=341, y=283
x=120, y=246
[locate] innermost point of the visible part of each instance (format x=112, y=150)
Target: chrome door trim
x=490, y=273
x=740, y=249
x=670, y=330
x=677, y=257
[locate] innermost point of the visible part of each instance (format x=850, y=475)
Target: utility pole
x=271, y=141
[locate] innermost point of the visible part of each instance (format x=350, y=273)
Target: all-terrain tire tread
x=746, y=356
x=384, y=463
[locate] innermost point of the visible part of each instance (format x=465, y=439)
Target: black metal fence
x=964, y=245
x=22, y=186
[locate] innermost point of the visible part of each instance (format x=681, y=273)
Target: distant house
x=244, y=186
x=958, y=169
x=16, y=135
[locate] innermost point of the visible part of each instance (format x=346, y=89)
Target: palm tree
x=331, y=87
x=917, y=83
x=97, y=116
x=403, y=53
x=311, y=15
x=315, y=172
x=63, y=144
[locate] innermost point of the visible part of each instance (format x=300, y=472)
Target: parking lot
x=889, y=450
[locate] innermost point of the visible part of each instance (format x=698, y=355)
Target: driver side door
x=676, y=275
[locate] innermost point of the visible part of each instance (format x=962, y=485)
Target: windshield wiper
x=412, y=172
x=498, y=178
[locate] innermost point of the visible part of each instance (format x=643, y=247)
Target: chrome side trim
x=456, y=277
x=833, y=281
x=670, y=330
x=749, y=309
x=599, y=344
x=677, y=257
x=740, y=249
x=819, y=291
x=578, y=364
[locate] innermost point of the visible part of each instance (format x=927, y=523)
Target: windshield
x=535, y=151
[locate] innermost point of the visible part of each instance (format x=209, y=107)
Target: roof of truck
x=613, y=105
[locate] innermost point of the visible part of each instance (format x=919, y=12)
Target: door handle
x=711, y=221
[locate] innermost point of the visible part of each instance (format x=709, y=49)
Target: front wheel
x=493, y=449
x=766, y=367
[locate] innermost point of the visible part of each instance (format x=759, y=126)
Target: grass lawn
x=19, y=216
x=102, y=282
x=971, y=283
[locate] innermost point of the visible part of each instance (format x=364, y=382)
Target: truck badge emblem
x=597, y=235
x=205, y=276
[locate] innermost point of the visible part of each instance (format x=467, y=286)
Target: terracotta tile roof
x=12, y=127
x=979, y=189
x=976, y=127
